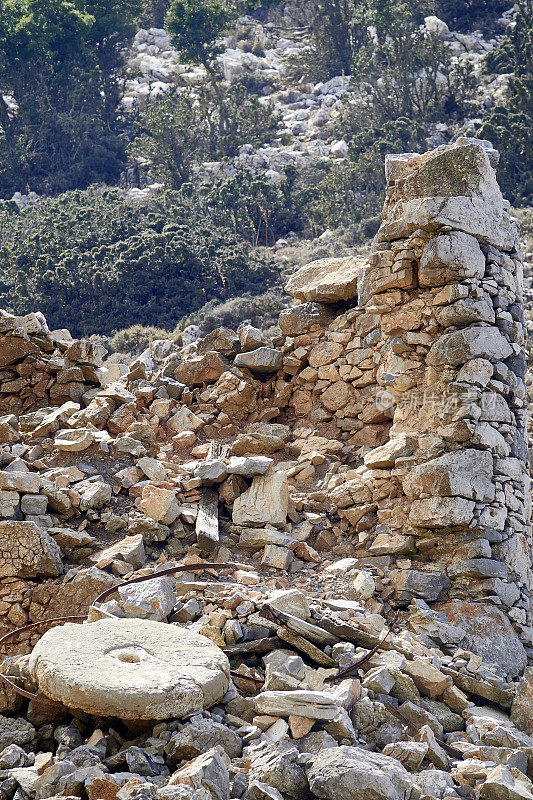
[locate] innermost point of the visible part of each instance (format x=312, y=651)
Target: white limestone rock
x=441, y=512
x=315, y=705
x=27, y=551
x=465, y=473
x=262, y=360
x=454, y=349
x=291, y=601
x=469, y=198
x=153, y=599
x=184, y=420
x=450, y=258
x=327, y=280
x=265, y=502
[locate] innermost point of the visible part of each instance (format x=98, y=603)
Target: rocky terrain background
x=305, y=187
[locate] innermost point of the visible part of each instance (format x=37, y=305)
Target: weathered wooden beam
x=207, y=520
x=207, y=534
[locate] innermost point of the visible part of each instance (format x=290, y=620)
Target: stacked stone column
x=444, y=286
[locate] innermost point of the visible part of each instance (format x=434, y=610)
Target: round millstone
x=130, y=668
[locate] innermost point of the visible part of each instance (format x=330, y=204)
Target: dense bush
x=404, y=71
x=61, y=63
x=258, y=209
x=96, y=263
x=509, y=126
x=262, y=310
x=398, y=67
x=307, y=201
x=467, y=15
x=135, y=339
x=195, y=26
x=180, y=130
x=337, y=32
x=170, y=135
x=403, y=81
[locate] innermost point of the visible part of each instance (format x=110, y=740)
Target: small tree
x=405, y=71
x=61, y=60
x=194, y=27
x=337, y=32
x=171, y=135
x=179, y=130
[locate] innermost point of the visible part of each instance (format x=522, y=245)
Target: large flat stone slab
x=265, y=502
x=130, y=668
x=327, y=280
x=489, y=634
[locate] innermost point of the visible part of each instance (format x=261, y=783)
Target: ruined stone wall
x=431, y=341
x=39, y=367
x=394, y=404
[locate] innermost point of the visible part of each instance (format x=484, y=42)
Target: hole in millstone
x=129, y=658
x=128, y=655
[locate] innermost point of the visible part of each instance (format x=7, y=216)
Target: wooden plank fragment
x=207, y=520
x=207, y=534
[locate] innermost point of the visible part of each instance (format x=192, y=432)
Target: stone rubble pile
x=363, y=471
x=39, y=367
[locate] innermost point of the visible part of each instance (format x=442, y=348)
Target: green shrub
x=509, y=126
x=94, y=262
x=136, y=338
x=467, y=15
x=337, y=32
x=153, y=13
x=171, y=135
x=257, y=209
x=404, y=71
x=180, y=130
x=351, y=191
x=195, y=26
x=262, y=310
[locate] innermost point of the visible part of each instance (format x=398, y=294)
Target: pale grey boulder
x=466, y=473
x=297, y=320
x=200, y=735
x=261, y=360
x=455, y=349
x=449, y=258
x=352, y=773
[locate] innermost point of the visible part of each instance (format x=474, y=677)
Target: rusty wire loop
x=32, y=626
x=356, y=664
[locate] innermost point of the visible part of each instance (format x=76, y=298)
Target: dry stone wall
x=40, y=368
x=365, y=472
x=427, y=363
